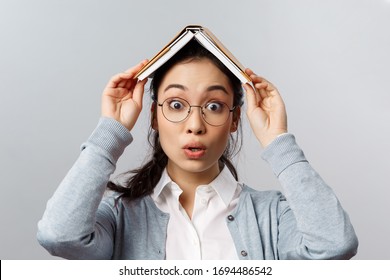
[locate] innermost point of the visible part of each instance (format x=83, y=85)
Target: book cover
x=207, y=39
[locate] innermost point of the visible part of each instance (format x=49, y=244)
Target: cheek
x=226, y=130
x=166, y=144
x=222, y=137
x=168, y=135
x=160, y=122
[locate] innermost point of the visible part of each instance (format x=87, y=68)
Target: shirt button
x=230, y=218
x=204, y=201
x=244, y=253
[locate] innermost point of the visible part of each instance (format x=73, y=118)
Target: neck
x=188, y=180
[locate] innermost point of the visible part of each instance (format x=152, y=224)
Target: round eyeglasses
x=177, y=109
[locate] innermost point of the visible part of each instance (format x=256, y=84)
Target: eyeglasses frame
x=190, y=108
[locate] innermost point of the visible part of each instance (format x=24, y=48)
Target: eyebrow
x=217, y=87
x=175, y=86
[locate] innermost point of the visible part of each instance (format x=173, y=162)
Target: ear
x=153, y=116
x=236, y=119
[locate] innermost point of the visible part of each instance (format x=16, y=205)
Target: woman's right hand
x=122, y=97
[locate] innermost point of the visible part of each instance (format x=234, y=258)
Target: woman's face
x=193, y=146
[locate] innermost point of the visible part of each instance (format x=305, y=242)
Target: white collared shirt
x=206, y=236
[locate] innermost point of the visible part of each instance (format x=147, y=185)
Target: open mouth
x=194, y=151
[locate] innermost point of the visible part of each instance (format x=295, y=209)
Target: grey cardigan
x=84, y=221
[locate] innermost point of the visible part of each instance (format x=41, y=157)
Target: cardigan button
x=244, y=253
x=230, y=218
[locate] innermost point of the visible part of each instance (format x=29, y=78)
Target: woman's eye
x=176, y=105
x=214, y=107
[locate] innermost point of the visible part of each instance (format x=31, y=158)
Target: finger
x=254, y=77
x=126, y=81
x=251, y=97
x=134, y=70
x=249, y=71
x=117, y=79
x=261, y=92
x=261, y=83
x=121, y=79
x=133, y=82
x=139, y=91
x=130, y=84
x=258, y=79
x=266, y=88
x=263, y=87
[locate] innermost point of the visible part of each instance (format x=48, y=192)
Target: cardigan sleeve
x=312, y=222
x=75, y=224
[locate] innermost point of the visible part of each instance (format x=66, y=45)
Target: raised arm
x=76, y=225
x=311, y=223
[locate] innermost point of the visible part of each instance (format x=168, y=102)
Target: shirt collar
x=225, y=185
x=164, y=181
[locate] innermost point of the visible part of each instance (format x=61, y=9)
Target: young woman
x=186, y=201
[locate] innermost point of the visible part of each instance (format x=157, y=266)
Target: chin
x=196, y=166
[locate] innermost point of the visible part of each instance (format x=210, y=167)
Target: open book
x=207, y=40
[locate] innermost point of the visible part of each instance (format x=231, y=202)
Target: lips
x=194, y=150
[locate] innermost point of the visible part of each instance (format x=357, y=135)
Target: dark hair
x=141, y=181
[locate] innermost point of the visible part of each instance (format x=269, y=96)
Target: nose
x=195, y=122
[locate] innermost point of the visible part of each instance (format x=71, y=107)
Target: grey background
x=329, y=59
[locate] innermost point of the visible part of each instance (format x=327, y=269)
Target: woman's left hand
x=266, y=111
